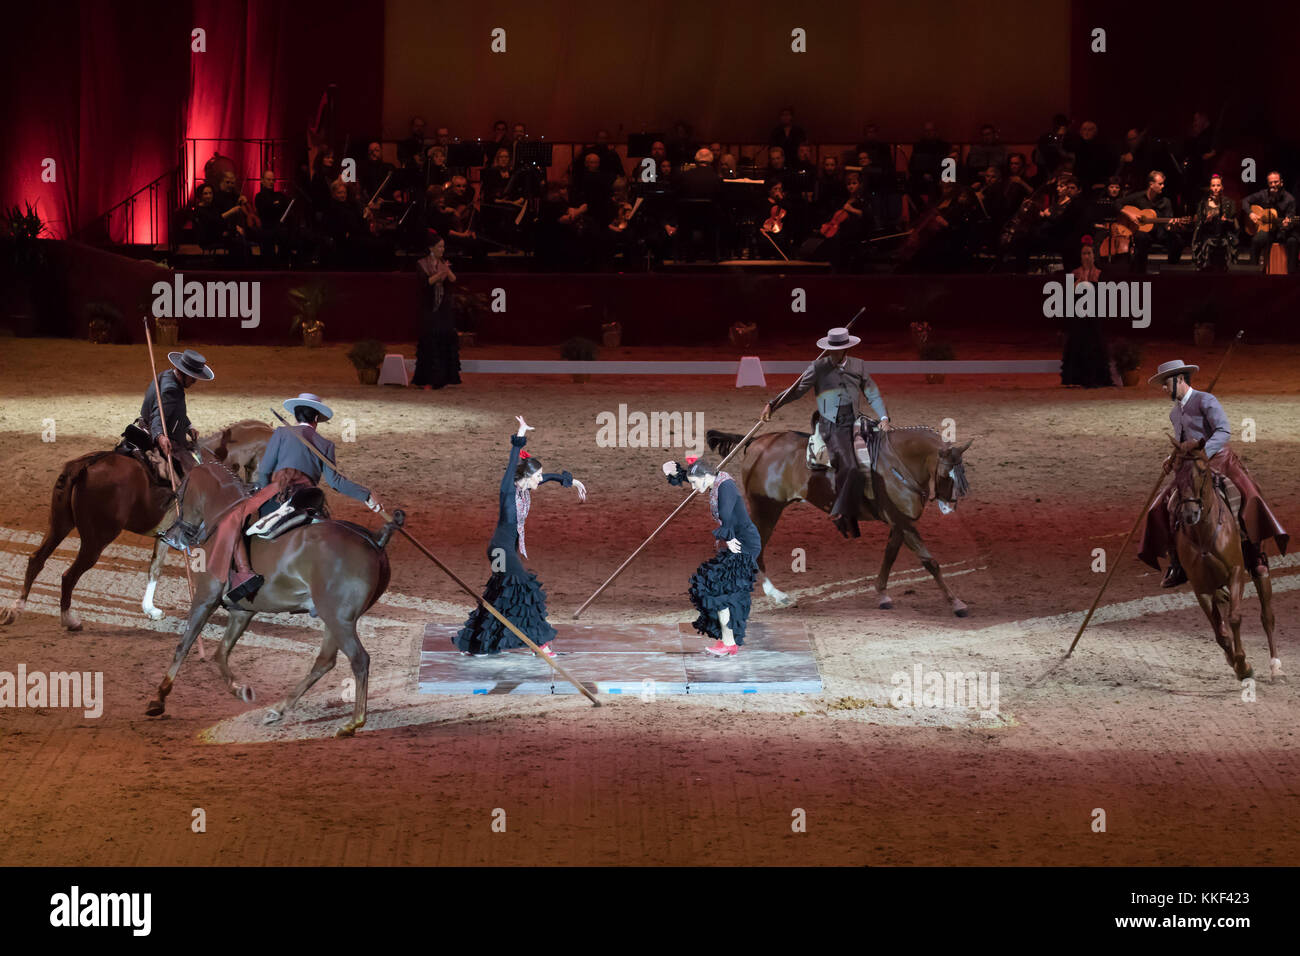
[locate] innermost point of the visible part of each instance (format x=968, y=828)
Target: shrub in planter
x=578, y=349
x=1127, y=358
x=103, y=320
x=936, y=352
x=366, y=357
x=308, y=301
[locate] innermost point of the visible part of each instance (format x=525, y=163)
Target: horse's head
x=205, y=492
x=1191, y=479
x=950, y=482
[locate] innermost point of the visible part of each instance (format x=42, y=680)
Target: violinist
x=778, y=209
x=840, y=234
x=271, y=204
x=374, y=171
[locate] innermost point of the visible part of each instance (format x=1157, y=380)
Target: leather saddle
x=865, y=441
x=137, y=443
x=305, y=506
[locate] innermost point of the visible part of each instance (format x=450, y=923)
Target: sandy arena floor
x=1145, y=722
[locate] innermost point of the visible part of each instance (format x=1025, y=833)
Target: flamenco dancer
x=721, y=586
x=513, y=589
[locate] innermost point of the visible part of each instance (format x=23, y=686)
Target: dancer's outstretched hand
x=582, y=489
x=734, y=545
x=523, y=425
x=670, y=468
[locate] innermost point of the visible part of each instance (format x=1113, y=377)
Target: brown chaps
x=1258, y=519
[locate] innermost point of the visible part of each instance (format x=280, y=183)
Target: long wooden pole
x=726, y=458
x=171, y=472
x=1150, y=498
x=455, y=577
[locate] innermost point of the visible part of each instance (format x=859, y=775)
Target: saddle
x=304, y=506
x=865, y=440
x=137, y=443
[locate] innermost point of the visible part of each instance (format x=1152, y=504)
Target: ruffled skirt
x=726, y=580
x=522, y=601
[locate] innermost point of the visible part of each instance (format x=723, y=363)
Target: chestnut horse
x=1208, y=540
x=333, y=570
x=912, y=465
x=102, y=494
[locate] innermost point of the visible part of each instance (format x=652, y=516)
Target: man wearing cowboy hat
x=1195, y=416
x=188, y=367
x=838, y=380
x=286, y=468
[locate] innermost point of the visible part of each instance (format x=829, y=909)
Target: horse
x=105, y=493
x=1208, y=541
x=334, y=570
x=921, y=466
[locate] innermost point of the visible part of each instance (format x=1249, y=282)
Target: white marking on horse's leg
x=147, y=604
x=70, y=620
x=1275, y=667
x=778, y=597
x=12, y=612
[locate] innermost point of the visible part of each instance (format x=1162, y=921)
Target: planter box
x=169, y=332
x=314, y=340
x=368, y=376
x=1130, y=377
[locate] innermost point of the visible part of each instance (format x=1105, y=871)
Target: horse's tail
x=73, y=472
x=723, y=442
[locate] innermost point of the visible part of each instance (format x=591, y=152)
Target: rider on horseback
x=287, y=467
x=838, y=380
x=1198, y=415
x=188, y=367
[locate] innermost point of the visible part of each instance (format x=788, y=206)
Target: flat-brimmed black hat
x=192, y=364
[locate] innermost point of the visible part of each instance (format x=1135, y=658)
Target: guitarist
x=1153, y=197
x=1286, y=230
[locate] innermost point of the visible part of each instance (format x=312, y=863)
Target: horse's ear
x=956, y=451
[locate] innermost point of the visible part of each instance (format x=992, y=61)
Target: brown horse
x=1209, y=547
x=911, y=466
x=102, y=494
x=334, y=570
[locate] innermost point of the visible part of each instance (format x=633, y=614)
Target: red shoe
x=723, y=650
x=549, y=651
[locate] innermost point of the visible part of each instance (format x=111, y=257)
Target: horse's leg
x=1236, y=585
x=913, y=540
x=350, y=644
x=329, y=653
x=1264, y=588
x=61, y=524
x=207, y=598
x=1210, y=608
x=155, y=572
x=883, y=600
x=765, y=513
x=93, y=542
x=235, y=626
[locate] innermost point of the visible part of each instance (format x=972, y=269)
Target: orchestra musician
x=271, y=204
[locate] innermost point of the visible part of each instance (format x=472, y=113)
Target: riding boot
x=243, y=582
x=1175, y=575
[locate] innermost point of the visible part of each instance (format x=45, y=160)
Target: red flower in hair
x=692, y=459
x=524, y=454
x=1087, y=240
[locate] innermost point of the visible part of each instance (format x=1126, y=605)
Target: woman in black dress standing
x=513, y=589
x=1085, y=359
x=721, y=587
x=437, y=354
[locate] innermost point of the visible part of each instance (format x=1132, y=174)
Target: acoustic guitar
x=1268, y=220
x=1144, y=220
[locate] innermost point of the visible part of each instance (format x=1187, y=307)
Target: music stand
x=536, y=153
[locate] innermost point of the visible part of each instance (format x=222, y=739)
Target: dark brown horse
x=334, y=570
x=913, y=465
x=102, y=494
x=1208, y=540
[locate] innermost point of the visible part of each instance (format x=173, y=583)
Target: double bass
x=1028, y=215
x=937, y=220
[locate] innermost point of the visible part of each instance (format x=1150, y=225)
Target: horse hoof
x=886, y=603
x=272, y=716
x=155, y=708
x=245, y=693
x=70, y=620
x=154, y=614
x=1275, y=669
x=781, y=600
x=10, y=614
x=347, y=730
x=959, y=609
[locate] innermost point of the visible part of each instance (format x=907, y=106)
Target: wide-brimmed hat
x=309, y=400
x=192, y=364
x=1166, y=369
x=838, y=339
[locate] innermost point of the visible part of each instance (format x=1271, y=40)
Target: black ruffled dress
x=725, y=580
x=514, y=591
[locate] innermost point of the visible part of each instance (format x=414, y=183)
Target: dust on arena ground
x=1146, y=721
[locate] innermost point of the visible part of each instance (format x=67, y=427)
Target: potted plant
x=936, y=352
x=22, y=230
x=578, y=349
x=920, y=332
x=103, y=319
x=469, y=308
x=366, y=357
x=743, y=335
x=1127, y=358
x=611, y=335
x=308, y=301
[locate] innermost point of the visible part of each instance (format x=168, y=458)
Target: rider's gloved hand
x=373, y=505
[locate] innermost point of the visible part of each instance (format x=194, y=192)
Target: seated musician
x=878, y=167
x=804, y=170
x=1169, y=236
x=1214, y=239
x=438, y=172
x=842, y=229
x=1060, y=229
x=413, y=145
x=271, y=205
x=1286, y=230
x=374, y=171
x=593, y=189
x=214, y=231
x=925, y=168
x=500, y=134
x=1103, y=208
x=494, y=180
x=985, y=153
x=777, y=169
x=610, y=162
x=346, y=225
x=324, y=173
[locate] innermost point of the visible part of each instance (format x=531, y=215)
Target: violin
x=832, y=226
x=772, y=224
x=621, y=220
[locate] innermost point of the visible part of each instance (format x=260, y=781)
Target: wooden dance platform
x=625, y=659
